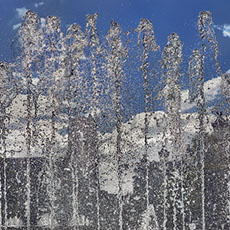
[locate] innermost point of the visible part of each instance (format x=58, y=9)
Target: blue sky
x=167, y=16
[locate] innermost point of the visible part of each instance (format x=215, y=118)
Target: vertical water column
x=29, y=36
x=218, y=213
x=164, y=154
x=207, y=34
x=171, y=59
x=83, y=150
x=116, y=58
x=96, y=52
x=3, y=182
x=148, y=42
x=75, y=44
x=82, y=145
x=196, y=94
x=225, y=91
x=7, y=95
x=53, y=57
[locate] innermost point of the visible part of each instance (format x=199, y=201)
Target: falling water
x=164, y=154
x=207, y=33
x=149, y=44
x=72, y=158
x=196, y=93
x=6, y=98
x=76, y=42
x=96, y=50
x=29, y=38
x=225, y=90
x=171, y=59
x=116, y=59
x=52, y=29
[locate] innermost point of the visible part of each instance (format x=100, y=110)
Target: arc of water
x=171, y=59
x=196, y=93
x=29, y=33
x=116, y=58
x=207, y=32
x=96, y=49
x=94, y=44
x=75, y=51
x=55, y=47
x=149, y=44
x=71, y=31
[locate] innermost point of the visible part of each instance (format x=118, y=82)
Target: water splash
x=55, y=162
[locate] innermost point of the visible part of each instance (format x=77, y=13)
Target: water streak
x=171, y=59
x=148, y=41
x=116, y=58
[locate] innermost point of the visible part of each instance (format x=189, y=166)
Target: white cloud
x=218, y=27
x=225, y=29
x=212, y=88
x=37, y=4
x=16, y=26
x=21, y=12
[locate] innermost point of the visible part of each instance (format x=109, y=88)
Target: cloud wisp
x=21, y=12
x=225, y=29
x=37, y=4
x=212, y=88
x=16, y=26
